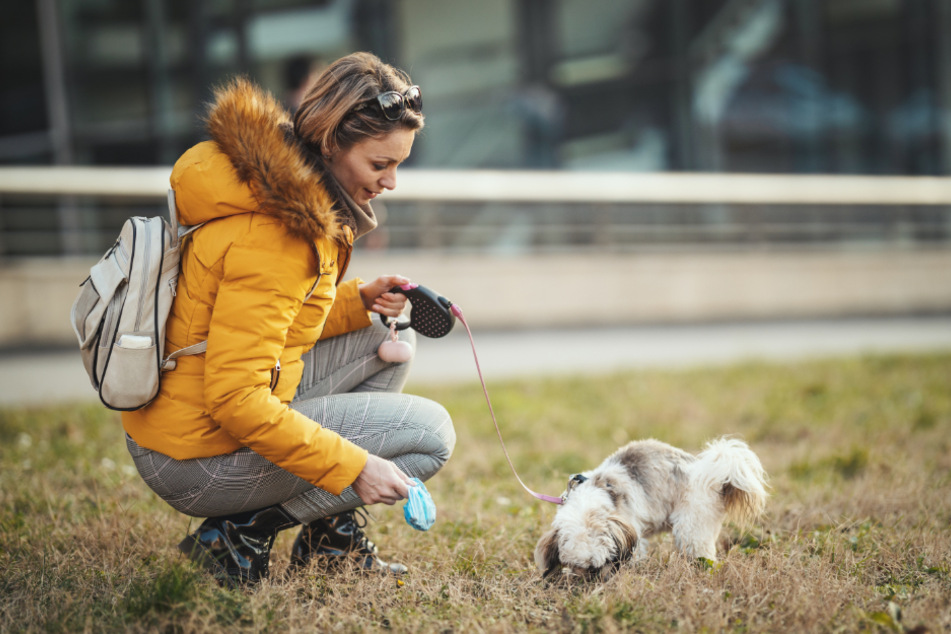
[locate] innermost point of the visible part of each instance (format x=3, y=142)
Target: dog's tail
x=729, y=468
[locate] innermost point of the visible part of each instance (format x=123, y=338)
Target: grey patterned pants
x=346, y=387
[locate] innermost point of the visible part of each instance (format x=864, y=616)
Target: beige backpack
x=119, y=316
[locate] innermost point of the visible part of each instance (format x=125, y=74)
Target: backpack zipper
x=109, y=316
x=112, y=337
x=159, y=345
x=145, y=277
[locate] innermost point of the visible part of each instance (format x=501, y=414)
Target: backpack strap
x=197, y=348
x=172, y=214
x=178, y=234
x=178, y=231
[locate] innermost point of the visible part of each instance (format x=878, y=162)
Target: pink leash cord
x=547, y=498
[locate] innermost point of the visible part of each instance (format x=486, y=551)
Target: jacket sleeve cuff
x=348, y=313
x=352, y=460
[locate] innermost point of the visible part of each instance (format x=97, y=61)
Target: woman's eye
x=379, y=167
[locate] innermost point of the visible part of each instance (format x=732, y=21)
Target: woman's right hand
x=381, y=481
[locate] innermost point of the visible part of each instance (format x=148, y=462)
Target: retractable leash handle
x=434, y=316
x=431, y=315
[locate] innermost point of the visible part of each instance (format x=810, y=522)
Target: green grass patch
x=856, y=536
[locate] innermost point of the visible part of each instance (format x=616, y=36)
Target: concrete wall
x=573, y=289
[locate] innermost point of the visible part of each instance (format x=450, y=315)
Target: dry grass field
x=857, y=535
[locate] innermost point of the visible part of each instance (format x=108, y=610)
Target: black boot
x=236, y=548
x=338, y=539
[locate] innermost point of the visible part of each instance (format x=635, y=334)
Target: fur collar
x=248, y=125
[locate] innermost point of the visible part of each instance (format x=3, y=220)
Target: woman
x=267, y=430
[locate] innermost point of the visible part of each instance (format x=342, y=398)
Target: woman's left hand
x=377, y=298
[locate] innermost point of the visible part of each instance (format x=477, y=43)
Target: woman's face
x=369, y=167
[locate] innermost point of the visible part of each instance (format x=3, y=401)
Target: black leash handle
x=431, y=315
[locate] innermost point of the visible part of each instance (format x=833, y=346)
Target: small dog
x=649, y=487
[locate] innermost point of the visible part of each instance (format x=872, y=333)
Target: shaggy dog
x=648, y=487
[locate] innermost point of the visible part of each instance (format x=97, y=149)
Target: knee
x=441, y=427
x=446, y=430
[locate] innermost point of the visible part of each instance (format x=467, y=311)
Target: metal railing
x=51, y=210
x=537, y=186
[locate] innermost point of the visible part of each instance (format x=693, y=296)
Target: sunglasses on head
x=393, y=103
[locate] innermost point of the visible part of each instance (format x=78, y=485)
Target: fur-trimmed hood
x=271, y=174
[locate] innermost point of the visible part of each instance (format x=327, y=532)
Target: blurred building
x=837, y=86
x=775, y=86
x=618, y=86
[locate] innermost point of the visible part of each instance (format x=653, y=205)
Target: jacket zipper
x=345, y=264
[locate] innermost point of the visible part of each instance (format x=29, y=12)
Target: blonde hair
x=326, y=120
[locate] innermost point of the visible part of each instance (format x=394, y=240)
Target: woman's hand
x=381, y=481
x=377, y=298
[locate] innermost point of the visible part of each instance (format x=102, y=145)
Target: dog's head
x=588, y=535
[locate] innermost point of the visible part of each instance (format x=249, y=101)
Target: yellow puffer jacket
x=271, y=234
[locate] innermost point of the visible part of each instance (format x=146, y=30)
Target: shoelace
x=359, y=518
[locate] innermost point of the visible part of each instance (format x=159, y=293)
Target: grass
x=857, y=536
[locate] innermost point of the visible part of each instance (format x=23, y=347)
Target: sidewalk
x=48, y=377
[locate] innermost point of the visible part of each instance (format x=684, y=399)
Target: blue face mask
x=419, y=510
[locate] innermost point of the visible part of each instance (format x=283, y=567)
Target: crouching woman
x=290, y=417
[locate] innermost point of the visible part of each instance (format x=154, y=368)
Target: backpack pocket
x=132, y=378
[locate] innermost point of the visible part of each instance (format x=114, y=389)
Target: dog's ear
x=624, y=536
x=547, y=557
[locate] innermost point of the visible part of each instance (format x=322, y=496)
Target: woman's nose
x=389, y=179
